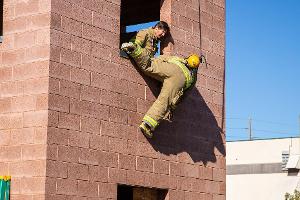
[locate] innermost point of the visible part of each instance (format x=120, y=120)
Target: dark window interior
x=139, y=12
x=126, y=192
x=134, y=12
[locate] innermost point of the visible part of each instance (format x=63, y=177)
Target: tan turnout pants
x=173, y=81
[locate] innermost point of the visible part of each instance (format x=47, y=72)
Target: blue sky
x=262, y=68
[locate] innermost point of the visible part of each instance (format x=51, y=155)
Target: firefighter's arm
x=140, y=38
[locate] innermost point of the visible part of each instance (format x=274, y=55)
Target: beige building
x=262, y=169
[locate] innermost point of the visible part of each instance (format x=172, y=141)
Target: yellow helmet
x=193, y=61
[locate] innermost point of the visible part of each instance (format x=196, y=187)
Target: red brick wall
x=88, y=100
x=199, y=165
x=85, y=103
x=24, y=72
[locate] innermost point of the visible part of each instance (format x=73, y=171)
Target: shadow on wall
x=194, y=130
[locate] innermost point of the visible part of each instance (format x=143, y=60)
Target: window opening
x=137, y=15
x=126, y=192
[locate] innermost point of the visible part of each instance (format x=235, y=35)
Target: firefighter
x=177, y=76
x=146, y=41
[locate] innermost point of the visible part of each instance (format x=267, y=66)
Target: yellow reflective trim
x=186, y=72
x=152, y=121
x=138, y=42
x=136, y=52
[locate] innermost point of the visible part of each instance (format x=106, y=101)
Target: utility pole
x=250, y=128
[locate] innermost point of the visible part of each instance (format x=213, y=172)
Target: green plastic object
x=5, y=187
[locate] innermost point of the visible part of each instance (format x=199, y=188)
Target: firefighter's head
x=161, y=29
x=193, y=61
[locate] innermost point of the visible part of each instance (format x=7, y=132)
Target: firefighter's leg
x=170, y=89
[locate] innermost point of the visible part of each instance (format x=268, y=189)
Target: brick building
x=70, y=105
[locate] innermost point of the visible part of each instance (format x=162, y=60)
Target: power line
x=270, y=131
x=259, y=120
x=253, y=133
x=236, y=118
x=259, y=130
x=270, y=122
x=237, y=128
